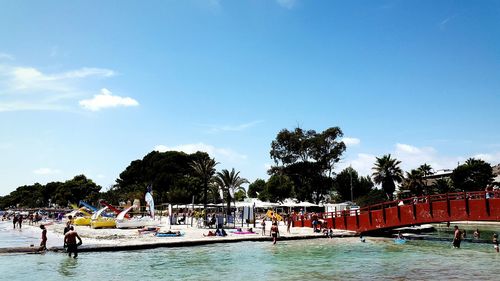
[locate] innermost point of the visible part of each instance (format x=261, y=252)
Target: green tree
x=27, y=196
x=348, y=178
x=76, y=189
x=414, y=182
x=240, y=194
x=278, y=188
x=473, y=175
x=387, y=173
x=229, y=182
x=307, y=158
x=256, y=188
x=375, y=196
x=365, y=185
x=204, y=168
x=443, y=185
x=170, y=173
x=426, y=171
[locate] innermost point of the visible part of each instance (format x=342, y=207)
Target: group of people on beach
x=18, y=219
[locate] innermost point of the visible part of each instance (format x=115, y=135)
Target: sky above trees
x=86, y=87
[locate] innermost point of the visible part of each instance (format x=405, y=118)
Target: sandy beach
x=109, y=238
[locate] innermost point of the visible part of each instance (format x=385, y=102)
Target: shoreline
x=112, y=239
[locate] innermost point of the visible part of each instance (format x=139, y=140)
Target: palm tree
x=204, y=168
x=414, y=182
x=426, y=171
x=387, y=172
x=443, y=186
x=230, y=181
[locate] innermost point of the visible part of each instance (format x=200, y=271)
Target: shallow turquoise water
x=319, y=259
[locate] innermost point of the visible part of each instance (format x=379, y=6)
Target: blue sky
x=89, y=86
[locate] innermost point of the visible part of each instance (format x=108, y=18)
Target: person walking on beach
x=263, y=224
x=70, y=242
x=457, y=238
x=150, y=203
x=274, y=232
x=43, y=244
x=14, y=221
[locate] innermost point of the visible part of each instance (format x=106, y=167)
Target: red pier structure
x=463, y=206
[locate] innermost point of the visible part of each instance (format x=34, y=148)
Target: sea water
x=317, y=259
x=18, y=237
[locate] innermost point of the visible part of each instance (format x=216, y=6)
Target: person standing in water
x=457, y=238
x=274, y=232
x=477, y=234
x=495, y=242
x=70, y=242
x=43, y=244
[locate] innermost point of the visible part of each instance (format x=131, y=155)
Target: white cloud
x=406, y=148
x=5, y=56
x=28, y=88
x=351, y=141
x=46, y=171
x=412, y=157
x=492, y=158
x=362, y=163
x=87, y=72
x=106, y=100
x=289, y=4
x=31, y=78
x=222, y=153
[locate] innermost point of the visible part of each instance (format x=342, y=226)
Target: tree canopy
x=54, y=193
x=230, y=182
x=172, y=175
x=348, y=178
x=387, y=172
x=256, y=188
x=473, y=175
x=307, y=158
